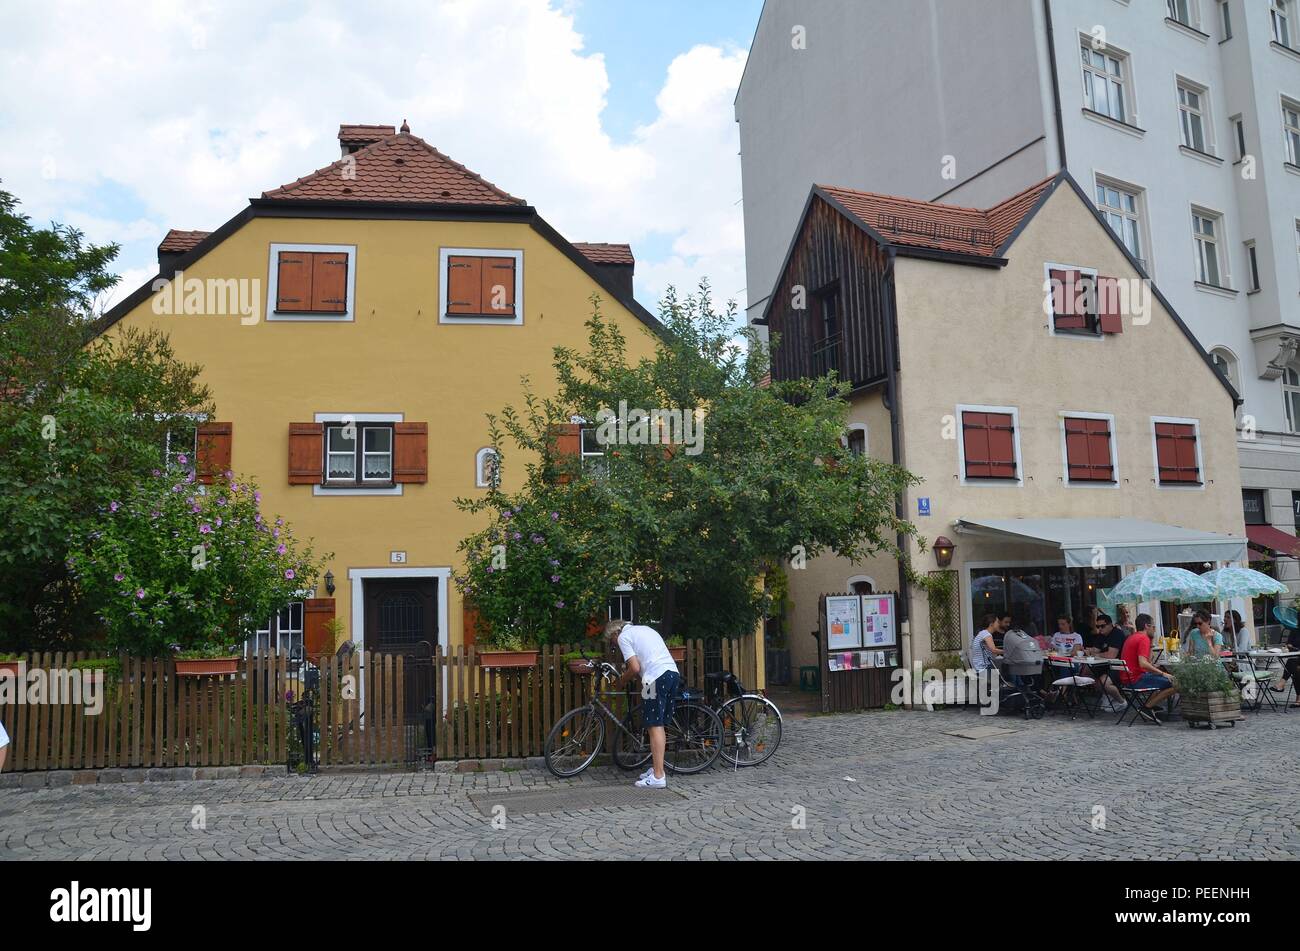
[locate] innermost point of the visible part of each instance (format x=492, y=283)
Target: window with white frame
x=857, y=440
x=1252, y=266
x=280, y=633
x=1281, y=13
x=1184, y=11
x=1291, y=394
x=1291, y=130
x=1225, y=19
x=1193, y=116
x=1104, y=82
x=352, y=448
x=486, y=472
x=181, y=438
x=1121, y=207
x=1226, y=364
x=593, y=453
x=1239, y=136
x=1207, y=228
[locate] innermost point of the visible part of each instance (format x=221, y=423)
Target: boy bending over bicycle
x=647, y=657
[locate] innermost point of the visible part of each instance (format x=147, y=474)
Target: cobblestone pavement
x=878, y=785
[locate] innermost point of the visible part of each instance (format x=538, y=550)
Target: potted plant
x=11, y=664
x=212, y=660
x=507, y=650
x=677, y=647
x=1208, y=693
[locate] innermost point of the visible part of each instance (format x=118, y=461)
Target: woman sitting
x=1203, y=640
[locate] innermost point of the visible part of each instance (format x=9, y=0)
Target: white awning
x=1126, y=541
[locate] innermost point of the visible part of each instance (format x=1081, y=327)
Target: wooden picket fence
x=368, y=714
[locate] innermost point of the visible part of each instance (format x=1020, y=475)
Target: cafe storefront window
x=1035, y=595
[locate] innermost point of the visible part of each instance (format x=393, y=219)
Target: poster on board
x=878, y=620
x=843, y=622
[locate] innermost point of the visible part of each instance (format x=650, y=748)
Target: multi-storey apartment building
x=1180, y=119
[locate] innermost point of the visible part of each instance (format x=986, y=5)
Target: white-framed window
x=311, y=282
x=988, y=445
x=181, y=438
x=352, y=448
x=1291, y=395
x=593, y=453
x=1194, y=116
x=486, y=473
x=1105, y=81
x=1239, y=136
x=280, y=633
x=1176, y=452
x=1088, y=451
x=861, y=584
x=1225, y=19
x=1226, y=363
x=1252, y=266
x=1291, y=130
x=1281, y=16
x=1183, y=11
x=1207, y=230
x=482, y=286
x=1121, y=206
x=855, y=440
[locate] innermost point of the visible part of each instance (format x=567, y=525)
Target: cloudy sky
x=613, y=117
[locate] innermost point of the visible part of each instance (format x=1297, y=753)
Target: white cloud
x=141, y=117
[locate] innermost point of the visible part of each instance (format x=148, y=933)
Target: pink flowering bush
x=180, y=566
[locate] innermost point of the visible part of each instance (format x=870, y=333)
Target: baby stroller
x=1021, y=676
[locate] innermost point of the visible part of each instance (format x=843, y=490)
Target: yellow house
x=355, y=326
x=1065, y=424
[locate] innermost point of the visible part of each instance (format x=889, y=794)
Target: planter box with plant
x=677, y=647
x=1208, y=694
x=10, y=664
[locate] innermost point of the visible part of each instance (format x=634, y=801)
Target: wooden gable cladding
x=214, y=450
x=832, y=252
x=312, y=282
x=306, y=453
x=411, y=452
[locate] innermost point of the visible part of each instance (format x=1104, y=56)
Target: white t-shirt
x=981, y=658
x=645, y=644
x=4, y=737
x=1066, y=643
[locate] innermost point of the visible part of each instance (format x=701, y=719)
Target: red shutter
x=316, y=613
x=293, y=282
x=1176, y=453
x=1068, y=307
x=465, y=285
x=213, y=450
x=329, y=282
x=498, y=283
x=989, y=442
x=566, y=449
x=1108, y=305
x=1087, y=450
x=411, y=452
x=306, y=453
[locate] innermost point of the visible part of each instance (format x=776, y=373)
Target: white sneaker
x=649, y=782
x=648, y=773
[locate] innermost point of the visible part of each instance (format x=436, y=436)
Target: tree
x=755, y=473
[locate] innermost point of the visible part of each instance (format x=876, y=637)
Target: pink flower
x=257, y=497
x=205, y=529
x=218, y=521
x=139, y=594
x=113, y=506
x=280, y=549
x=288, y=573
x=182, y=458
x=559, y=604
x=119, y=576
x=554, y=578
x=555, y=516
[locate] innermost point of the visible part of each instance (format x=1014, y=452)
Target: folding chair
x=1134, y=698
x=1067, y=680
x=1253, y=683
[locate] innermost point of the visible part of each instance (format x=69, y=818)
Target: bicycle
x=693, y=734
x=751, y=723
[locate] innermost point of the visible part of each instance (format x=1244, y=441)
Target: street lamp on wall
x=943, y=549
x=329, y=583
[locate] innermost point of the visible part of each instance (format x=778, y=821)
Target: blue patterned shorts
x=657, y=703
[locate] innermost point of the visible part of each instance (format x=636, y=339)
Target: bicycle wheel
x=574, y=742
x=693, y=738
x=630, y=753
x=751, y=729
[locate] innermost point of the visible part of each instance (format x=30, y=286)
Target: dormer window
x=481, y=286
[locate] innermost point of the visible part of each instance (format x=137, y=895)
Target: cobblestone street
x=879, y=785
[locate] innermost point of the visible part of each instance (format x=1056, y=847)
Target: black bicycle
x=693, y=735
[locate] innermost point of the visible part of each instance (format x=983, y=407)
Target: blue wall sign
x=923, y=506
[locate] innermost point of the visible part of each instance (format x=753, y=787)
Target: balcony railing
x=826, y=356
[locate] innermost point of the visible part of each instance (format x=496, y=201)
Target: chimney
x=175, y=246
x=355, y=137
x=614, y=262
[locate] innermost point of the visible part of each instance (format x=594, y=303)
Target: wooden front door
x=400, y=613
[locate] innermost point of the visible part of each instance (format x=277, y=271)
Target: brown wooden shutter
x=469, y=622
x=499, y=278
x=329, y=282
x=989, y=444
x=465, y=285
x=1108, y=306
x=1176, y=453
x=1068, y=310
x=411, y=452
x=306, y=453
x=293, y=283
x=316, y=613
x=214, y=441
x=566, y=449
x=1087, y=450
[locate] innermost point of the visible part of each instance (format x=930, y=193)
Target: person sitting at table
x=1121, y=620
x=1140, y=674
x=1203, y=640
x=1234, y=628
x=983, y=649
x=1292, y=666
x=1106, y=644
x=1066, y=641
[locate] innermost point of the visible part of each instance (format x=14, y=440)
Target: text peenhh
x=102, y=904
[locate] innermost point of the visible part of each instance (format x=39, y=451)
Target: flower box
x=11, y=667
x=207, y=666
x=581, y=667
x=491, y=658
x=1212, y=708
x=679, y=654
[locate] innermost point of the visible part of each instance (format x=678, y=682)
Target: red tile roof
x=928, y=224
x=364, y=134
x=396, y=168
x=181, y=240
x=602, y=253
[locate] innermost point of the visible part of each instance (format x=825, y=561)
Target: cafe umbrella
x=1162, y=583
x=1235, y=582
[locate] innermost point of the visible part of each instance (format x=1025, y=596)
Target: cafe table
x=1268, y=657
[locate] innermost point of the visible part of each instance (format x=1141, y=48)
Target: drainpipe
x=895, y=433
x=1056, y=82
